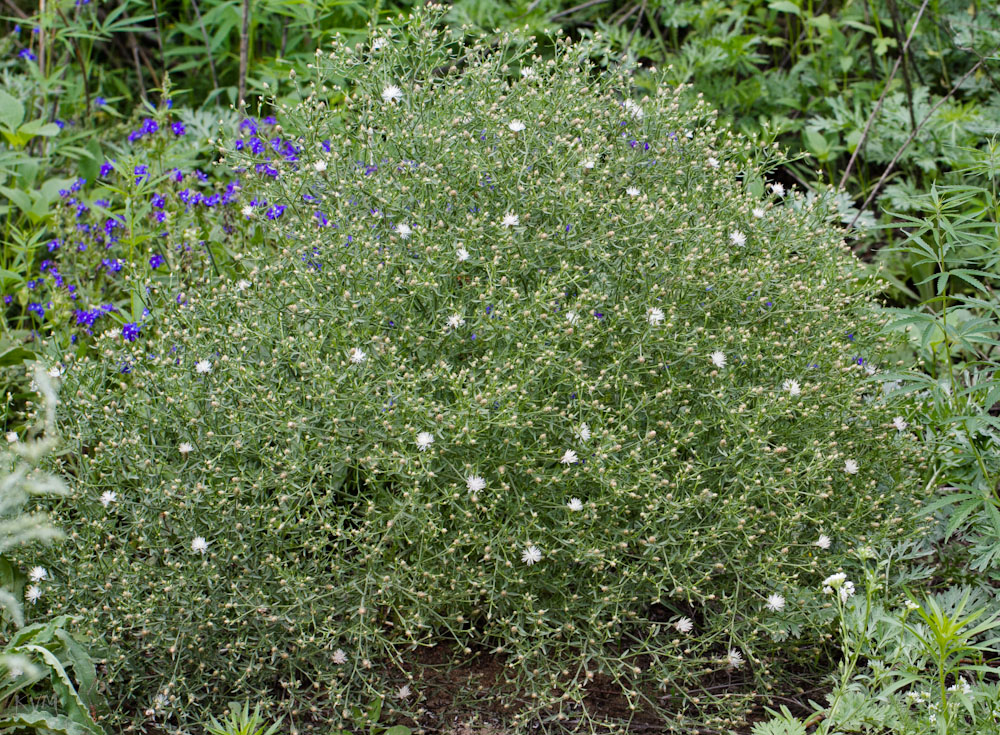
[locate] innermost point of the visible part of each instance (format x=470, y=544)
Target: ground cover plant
x=542, y=367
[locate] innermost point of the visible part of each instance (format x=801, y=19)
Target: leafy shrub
x=538, y=369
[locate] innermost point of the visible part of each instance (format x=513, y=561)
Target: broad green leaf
x=11, y=111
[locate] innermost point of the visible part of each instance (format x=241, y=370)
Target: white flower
x=404, y=692
x=572, y=317
x=575, y=504
x=833, y=582
x=531, y=555
x=870, y=369
x=391, y=94
x=633, y=109
x=583, y=432
x=734, y=658
x=900, y=423
x=510, y=220
x=320, y=166
x=475, y=483
x=379, y=43
x=247, y=211
x=738, y=238
x=758, y=212
x=37, y=574
x=851, y=467
x=684, y=625
x=404, y=231
x=911, y=605
x=455, y=321
x=528, y=72
x=792, y=386
x=775, y=603
x=108, y=497
x=713, y=162
x=424, y=440
x=12, y=437
x=516, y=126
x=718, y=359
x=33, y=593
x=199, y=545
x=55, y=371
x=339, y=657
x=463, y=255
x=823, y=541
x=778, y=189
x=357, y=355
x=569, y=457
x=203, y=366
x=243, y=284
x=185, y=447
x=655, y=316
x=588, y=164
x=633, y=191
x=846, y=591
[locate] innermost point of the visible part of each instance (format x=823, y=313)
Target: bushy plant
x=540, y=371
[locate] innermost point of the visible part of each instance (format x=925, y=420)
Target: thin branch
x=244, y=53
x=881, y=99
x=208, y=47
x=913, y=135
x=79, y=60
x=588, y=4
x=638, y=20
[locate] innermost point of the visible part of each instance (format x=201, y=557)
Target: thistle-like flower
x=823, y=541
x=569, y=457
x=850, y=467
x=718, y=359
x=738, y=239
x=357, y=355
x=510, y=220
x=392, y=94
x=108, y=497
x=531, y=555
x=684, y=625
x=516, y=126
x=199, y=545
x=37, y=574
x=791, y=386
x=203, y=367
x=185, y=447
x=475, y=483
x=424, y=440
x=775, y=603
x=655, y=316
x=575, y=504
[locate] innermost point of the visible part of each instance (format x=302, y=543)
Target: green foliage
x=557, y=392
x=241, y=721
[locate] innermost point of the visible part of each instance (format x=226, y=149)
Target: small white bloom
x=516, y=126
x=203, y=366
x=199, y=545
x=713, y=162
x=655, y=316
x=738, y=239
x=37, y=574
x=357, y=355
x=247, y=211
x=339, y=657
x=569, y=457
x=758, y=212
x=475, y=483
x=846, y=591
x=575, y=504
x=463, y=255
x=583, y=432
x=734, y=658
x=12, y=437
x=108, y=497
x=185, y=447
x=778, y=189
x=243, y=284
x=633, y=109
x=571, y=317
x=792, y=387
x=320, y=166
x=823, y=541
x=833, y=582
x=404, y=692
x=510, y=220
x=55, y=371
x=870, y=369
x=379, y=43
x=851, y=467
x=404, y=231
x=718, y=359
x=392, y=94
x=633, y=191
x=684, y=625
x=531, y=555
x=455, y=321
x=900, y=423
x=588, y=164
x=424, y=440
x=528, y=72
x=911, y=605
x=33, y=593
x=775, y=603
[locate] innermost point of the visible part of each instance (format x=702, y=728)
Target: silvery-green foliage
x=530, y=372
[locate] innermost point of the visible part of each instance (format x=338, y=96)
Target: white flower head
x=718, y=359
x=778, y=189
x=569, y=457
x=734, y=658
x=455, y=321
x=185, y=447
x=379, y=43
x=510, y=220
x=404, y=692
x=588, y=164
x=583, y=432
x=833, y=582
x=823, y=541
x=792, y=387
x=11, y=437
x=655, y=316
x=339, y=657
x=572, y=317
x=758, y=212
x=713, y=162
x=357, y=355
x=391, y=94
x=633, y=191
x=632, y=107
x=738, y=239
x=531, y=555
x=247, y=211
x=424, y=440
x=243, y=284
x=33, y=593
x=108, y=497
x=850, y=467
x=900, y=423
x=320, y=166
x=475, y=483
x=56, y=371
x=775, y=602
x=404, y=231
x=516, y=126
x=37, y=574
x=846, y=591
x=203, y=367
x=575, y=504
x=528, y=72
x=199, y=545
x=463, y=255
x=684, y=625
